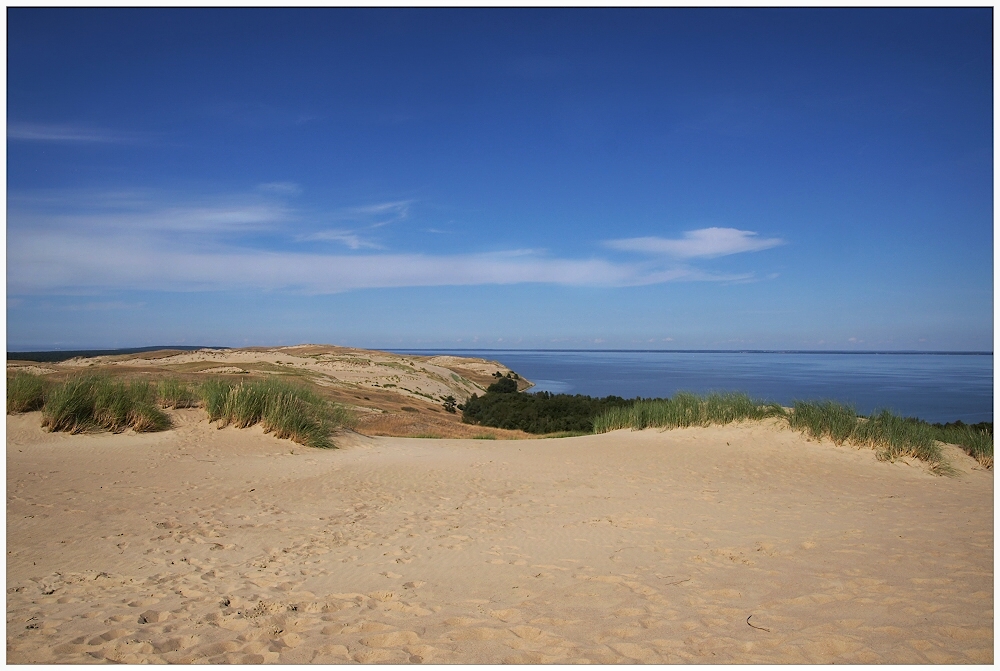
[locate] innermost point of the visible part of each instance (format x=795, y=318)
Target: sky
x=668, y=178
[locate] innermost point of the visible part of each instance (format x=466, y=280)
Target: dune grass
x=821, y=419
x=99, y=402
x=685, y=409
x=286, y=410
x=96, y=402
x=25, y=392
x=889, y=435
x=977, y=443
x=893, y=437
x=174, y=393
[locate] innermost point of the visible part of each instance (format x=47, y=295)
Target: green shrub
x=25, y=392
x=504, y=385
x=542, y=412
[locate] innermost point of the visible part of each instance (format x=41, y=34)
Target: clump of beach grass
x=94, y=402
x=893, y=436
x=824, y=419
x=977, y=443
x=174, y=393
x=25, y=392
x=685, y=409
x=286, y=410
x=888, y=434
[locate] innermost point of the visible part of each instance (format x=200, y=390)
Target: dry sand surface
x=206, y=545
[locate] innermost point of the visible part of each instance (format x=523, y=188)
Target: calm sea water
x=933, y=387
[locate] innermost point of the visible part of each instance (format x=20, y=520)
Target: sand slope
x=199, y=544
x=390, y=394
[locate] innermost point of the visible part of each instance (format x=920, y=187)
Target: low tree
x=504, y=385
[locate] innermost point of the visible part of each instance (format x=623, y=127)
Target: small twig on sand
x=755, y=626
x=678, y=582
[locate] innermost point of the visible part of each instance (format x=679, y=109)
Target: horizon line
x=149, y=348
x=689, y=351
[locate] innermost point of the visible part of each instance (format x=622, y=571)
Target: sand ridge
x=744, y=543
x=390, y=394
x=423, y=378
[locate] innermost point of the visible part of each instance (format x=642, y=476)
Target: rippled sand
x=734, y=544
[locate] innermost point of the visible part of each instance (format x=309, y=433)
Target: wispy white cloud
x=349, y=238
x=68, y=133
x=41, y=262
x=366, y=217
x=376, y=215
x=701, y=243
x=146, y=212
x=254, y=241
x=93, y=306
x=281, y=188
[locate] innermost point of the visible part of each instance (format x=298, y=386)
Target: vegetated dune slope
x=392, y=394
x=743, y=543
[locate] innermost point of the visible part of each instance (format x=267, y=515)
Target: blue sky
x=651, y=178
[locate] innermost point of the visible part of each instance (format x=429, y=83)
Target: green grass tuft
x=893, y=437
x=286, y=410
x=25, y=392
x=977, y=443
x=90, y=403
x=685, y=409
x=174, y=393
x=890, y=435
x=824, y=418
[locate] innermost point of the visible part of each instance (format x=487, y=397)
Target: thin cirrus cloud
x=145, y=241
x=280, y=188
x=47, y=262
x=367, y=217
x=349, y=238
x=41, y=132
x=702, y=243
x=377, y=215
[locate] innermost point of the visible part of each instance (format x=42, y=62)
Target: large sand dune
x=391, y=394
x=735, y=544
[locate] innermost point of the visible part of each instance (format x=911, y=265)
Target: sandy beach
x=743, y=543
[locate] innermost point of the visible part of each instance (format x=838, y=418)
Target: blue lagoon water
x=932, y=386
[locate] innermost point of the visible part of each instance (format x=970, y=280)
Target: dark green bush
x=504, y=385
x=541, y=412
